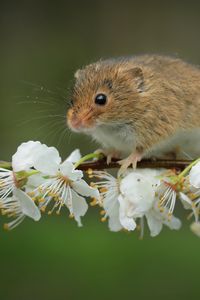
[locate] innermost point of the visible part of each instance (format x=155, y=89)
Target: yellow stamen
x=103, y=190
x=31, y=194
x=41, y=199
x=43, y=208
x=93, y=202
x=89, y=171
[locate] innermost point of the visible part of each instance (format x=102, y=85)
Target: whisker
x=62, y=135
x=38, y=118
x=70, y=137
x=43, y=89
x=52, y=129
x=49, y=111
x=35, y=102
x=64, y=92
x=54, y=132
x=44, y=99
x=50, y=124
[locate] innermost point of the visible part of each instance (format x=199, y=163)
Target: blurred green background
x=42, y=44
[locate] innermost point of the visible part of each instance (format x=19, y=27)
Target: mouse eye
x=101, y=99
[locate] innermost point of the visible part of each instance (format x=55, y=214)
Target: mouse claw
x=127, y=162
x=100, y=151
x=108, y=158
x=109, y=154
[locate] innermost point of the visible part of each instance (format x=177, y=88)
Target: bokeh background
x=42, y=44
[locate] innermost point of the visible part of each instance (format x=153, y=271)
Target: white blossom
x=109, y=192
x=139, y=200
x=156, y=220
x=64, y=184
x=19, y=205
x=23, y=160
x=12, y=198
x=127, y=201
x=137, y=196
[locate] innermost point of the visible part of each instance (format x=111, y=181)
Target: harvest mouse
x=138, y=106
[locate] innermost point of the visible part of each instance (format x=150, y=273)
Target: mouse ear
x=137, y=74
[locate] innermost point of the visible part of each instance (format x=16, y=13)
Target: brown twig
x=145, y=163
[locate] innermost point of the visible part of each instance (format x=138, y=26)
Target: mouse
x=138, y=107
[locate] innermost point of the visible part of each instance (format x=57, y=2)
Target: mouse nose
x=75, y=122
x=83, y=119
x=72, y=120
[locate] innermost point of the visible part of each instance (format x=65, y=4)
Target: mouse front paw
x=109, y=154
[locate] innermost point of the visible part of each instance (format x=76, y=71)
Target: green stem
x=23, y=175
x=32, y=172
x=5, y=165
x=88, y=157
x=186, y=170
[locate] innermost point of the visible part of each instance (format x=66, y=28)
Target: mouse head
x=102, y=94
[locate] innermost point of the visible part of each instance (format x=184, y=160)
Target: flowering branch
x=37, y=180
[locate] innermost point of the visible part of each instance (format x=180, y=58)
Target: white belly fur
x=124, y=140
x=119, y=138
x=187, y=144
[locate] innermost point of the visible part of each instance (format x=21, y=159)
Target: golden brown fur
x=153, y=97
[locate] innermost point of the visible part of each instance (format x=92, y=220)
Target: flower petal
x=34, y=154
x=187, y=203
x=113, y=220
x=114, y=224
x=34, y=182
x=79, y=206
x=28, y=207
x=74, y=156
x=24, y=157
x=174, y=223
x=67, y=169
x=139, y=189
x=126, y=222
x=47, y=160
x=195, y=227
x=82, y=188
x=194, y=176
x=155, y=225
